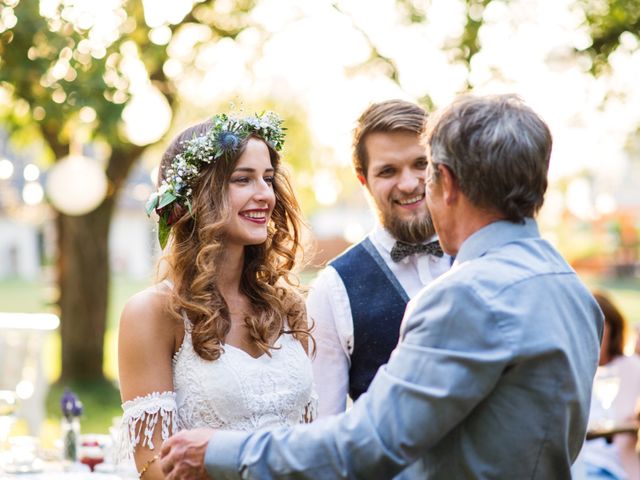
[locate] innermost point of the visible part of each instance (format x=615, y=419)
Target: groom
x=493, y=372
x=357, y=302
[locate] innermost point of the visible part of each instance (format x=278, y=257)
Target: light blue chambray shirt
x=491, y=380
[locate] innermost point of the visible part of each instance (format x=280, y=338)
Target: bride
x=222, y=339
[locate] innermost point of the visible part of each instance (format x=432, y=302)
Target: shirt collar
x=383, y=237
x=495, y=235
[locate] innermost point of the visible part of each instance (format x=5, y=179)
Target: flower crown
x=222, y=140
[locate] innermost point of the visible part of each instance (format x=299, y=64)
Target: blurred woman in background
x=618, y=378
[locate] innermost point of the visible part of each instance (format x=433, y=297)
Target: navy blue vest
x=377, y=303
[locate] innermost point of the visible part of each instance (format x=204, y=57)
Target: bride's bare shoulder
x=148, y=308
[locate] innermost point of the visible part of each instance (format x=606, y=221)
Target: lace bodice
x=234, y=392
x=239, y=392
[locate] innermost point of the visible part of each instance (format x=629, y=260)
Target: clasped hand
x=182, y=455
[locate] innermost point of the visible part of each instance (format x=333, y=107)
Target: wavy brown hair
x=197, y=244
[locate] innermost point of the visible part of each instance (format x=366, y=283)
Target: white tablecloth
x=62, y=476
x=56, y=471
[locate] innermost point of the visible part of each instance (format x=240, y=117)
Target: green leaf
x=166, y=199
x=151, y=204
x=188, y=202
x=163, y=230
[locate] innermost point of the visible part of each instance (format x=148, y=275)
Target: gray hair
x=498, y=150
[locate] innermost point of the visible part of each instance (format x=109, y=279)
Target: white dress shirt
x=329, y=309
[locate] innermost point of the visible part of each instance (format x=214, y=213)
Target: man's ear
x=361, y=178
x=450, y=188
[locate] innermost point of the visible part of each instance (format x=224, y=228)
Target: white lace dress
x=234, y=392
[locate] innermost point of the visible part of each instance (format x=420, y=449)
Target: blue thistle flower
x=228, y=141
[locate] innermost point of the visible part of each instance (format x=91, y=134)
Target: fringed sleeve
x=140, y=418
x=311, y=409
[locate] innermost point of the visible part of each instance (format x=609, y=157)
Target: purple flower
x=70, y=405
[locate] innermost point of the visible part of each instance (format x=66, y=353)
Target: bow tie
x=402, y=249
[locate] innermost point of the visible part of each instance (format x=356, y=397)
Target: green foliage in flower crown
x=222, y=140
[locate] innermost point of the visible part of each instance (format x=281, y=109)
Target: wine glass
x=605, y=388
x=8, y=407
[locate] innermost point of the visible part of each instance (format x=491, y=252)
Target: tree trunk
x=83, y=280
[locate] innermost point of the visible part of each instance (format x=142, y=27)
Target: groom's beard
x=416, y=230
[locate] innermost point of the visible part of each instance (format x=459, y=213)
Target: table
x=62, y=476
x=609, y=431
x=56, y=470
